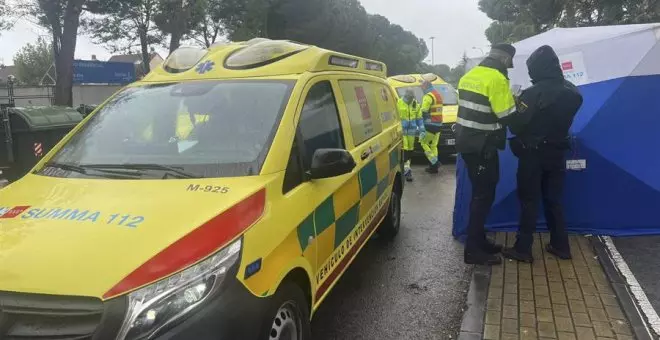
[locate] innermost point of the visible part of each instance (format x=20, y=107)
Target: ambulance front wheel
x=288, y=316
x=389, y=228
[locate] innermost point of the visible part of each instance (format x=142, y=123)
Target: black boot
x=564, y=255
x=481, y=258
x=513, y=254
x=491, y=247
x=432, y=169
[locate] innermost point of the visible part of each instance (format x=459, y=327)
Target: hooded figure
x=541, y=127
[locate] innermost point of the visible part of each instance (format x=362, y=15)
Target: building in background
x=136, y=59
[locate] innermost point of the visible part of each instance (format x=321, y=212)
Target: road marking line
x=642, y=301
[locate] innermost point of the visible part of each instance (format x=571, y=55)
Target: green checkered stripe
x=325, y=217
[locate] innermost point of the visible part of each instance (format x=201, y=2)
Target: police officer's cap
x=506, y=48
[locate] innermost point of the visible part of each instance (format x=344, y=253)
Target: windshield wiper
x=83, y=169
x=177, y=172
x=67, y=167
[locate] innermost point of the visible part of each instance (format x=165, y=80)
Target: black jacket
x=546, y=110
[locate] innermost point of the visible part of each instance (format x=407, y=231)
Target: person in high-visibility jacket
x=432, y=115
x=410, y=118
x=485, y=103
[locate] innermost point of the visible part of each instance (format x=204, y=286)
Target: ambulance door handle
x=365, y=154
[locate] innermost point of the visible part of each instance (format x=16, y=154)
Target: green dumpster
x=28, y=133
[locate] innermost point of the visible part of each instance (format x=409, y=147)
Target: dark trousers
x=484, y=173
x=541, y=174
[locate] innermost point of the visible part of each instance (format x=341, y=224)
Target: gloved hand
x=422, y=135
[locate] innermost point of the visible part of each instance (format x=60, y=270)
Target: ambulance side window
x=318, y=128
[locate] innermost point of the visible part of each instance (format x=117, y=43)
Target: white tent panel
x=565, y=38
x=587, y=54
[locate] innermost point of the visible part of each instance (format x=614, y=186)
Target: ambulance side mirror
x=328, y=163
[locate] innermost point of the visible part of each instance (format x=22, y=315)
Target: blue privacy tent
x=613, y=172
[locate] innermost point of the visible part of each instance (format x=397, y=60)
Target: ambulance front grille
x=48, y=317
x=447, y=131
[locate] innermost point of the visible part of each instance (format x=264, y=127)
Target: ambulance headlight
x=159, y=305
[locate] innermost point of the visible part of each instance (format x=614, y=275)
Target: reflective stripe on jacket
x=485, y=99
x=432, y=111
x=409, y=115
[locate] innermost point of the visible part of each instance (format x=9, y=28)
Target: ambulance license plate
x=451, y=141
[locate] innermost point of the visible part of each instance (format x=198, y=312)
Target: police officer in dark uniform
x=545, y=114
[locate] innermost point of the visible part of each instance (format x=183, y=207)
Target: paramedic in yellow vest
x=410, y=115
x=485, y=106
x=432, y=122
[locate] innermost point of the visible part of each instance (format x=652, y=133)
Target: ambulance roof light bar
x=261, y=53
x=430, y=77
x=183, y=59
x=405, y=78
x=343, y=61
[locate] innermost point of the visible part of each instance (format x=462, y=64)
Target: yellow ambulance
x=402, y=83
x=220, y=197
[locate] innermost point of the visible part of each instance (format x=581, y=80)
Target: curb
x=472, y=326
x=623, y=293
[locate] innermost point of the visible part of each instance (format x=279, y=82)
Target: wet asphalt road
x=411, y=288
x=641, y=255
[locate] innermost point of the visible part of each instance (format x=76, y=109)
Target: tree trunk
x=144, y=45
x=570, y=14
x=175, y=40
x=64, y=62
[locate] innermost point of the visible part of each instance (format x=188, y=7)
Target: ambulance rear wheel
x=389, y=228
x=288, y=315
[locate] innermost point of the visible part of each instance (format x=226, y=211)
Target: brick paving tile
x=491, y=332
x=527, y=307
x=561, y=311
x=526, y=295
x=604, y=288
x=510, y=299
x=621, y=327
x=573, y=294
x=597, y=314
x=624, y=337
x=511, y=289
x=493, y=317
x=581, y=319
x=614, y=312
x=571, y=284
x=494, y=304
x=527, y=333
x=559, y=299
x=603, y=329
x=547, y=329
x=509, y=326
x=584, y=333
x=556, y=287
x=566, y=336
x=528, y=320
x=577, y=306
x=541, y=290
x=592, y=301
x=495, y=293
x=563, y=324
x=544, y=315
x=510, y=312
x=609, y=300
x=509, y=336
x=543, y=302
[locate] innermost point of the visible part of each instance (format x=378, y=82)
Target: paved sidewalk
x=553, y=299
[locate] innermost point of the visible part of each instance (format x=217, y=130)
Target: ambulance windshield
x=205, y=128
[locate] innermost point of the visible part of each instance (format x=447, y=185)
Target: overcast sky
x=458, y=26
